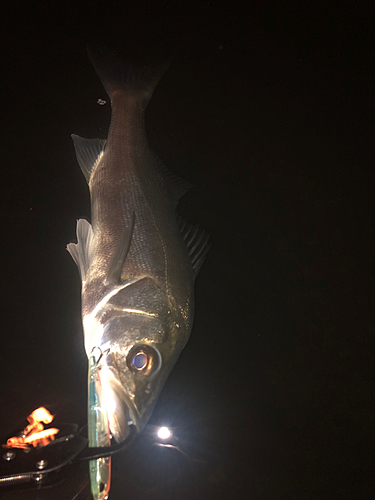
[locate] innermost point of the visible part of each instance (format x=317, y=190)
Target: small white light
x=164, y=433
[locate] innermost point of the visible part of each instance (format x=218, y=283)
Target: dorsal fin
x=118, y=258
x=82, y=251
x=196, y=241
x=176, y=186
x=88, y=153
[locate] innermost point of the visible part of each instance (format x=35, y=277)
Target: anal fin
x=88, y=152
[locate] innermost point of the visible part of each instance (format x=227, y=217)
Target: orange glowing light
x=34, y=433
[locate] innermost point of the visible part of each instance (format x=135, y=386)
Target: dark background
x=268, y=111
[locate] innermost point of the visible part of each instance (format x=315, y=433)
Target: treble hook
x=102, y=353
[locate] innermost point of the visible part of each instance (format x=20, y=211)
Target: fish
x=137, y=259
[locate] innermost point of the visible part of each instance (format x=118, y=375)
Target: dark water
x=268, y=111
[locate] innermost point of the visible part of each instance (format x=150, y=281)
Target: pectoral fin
x=117, y=261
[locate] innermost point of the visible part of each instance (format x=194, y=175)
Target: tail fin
x=116, y=75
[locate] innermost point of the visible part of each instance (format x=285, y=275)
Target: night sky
x=268, y=111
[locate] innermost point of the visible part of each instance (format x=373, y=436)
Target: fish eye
x=139, y=362
x=144, y=359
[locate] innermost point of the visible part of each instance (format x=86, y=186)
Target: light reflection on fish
x=137, y=259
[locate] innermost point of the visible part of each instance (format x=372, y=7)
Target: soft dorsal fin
x=82, y=251
x=196, y=241
x=118, y=258
x=88, y=153
x=176, y=186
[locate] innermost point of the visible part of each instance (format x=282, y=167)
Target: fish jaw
x=120, y=416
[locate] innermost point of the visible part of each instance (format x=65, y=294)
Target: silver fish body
x=137, y=259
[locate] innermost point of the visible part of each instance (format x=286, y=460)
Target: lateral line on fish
x=109, y=295
x=158, y=233
x=91, y=322
x=135, y=311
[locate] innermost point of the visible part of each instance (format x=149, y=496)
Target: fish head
x=139, y=350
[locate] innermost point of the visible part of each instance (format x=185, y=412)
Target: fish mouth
x=120, y=411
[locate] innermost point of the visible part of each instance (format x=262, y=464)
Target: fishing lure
x=98, y=432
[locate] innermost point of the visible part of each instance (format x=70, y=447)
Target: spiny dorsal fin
x=196, y=241
x=88, y=153
x=118, y=258
x=82, y=251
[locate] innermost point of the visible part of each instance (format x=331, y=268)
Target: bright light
x=164, y=433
